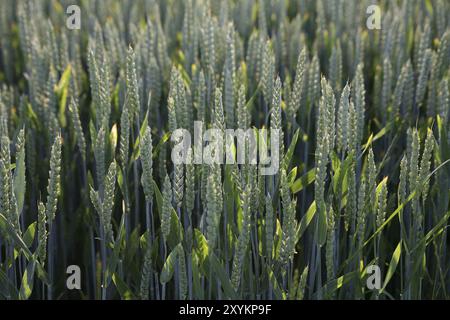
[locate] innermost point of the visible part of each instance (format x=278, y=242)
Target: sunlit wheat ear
x=343, y=120
x=268, y=72
x=99, y=155
x=7, y=205
x=124, y=138
x=132, y=84
x=381, y=205
x=18, y=183
x=413, y=174
x=425, y=164
x=108, y=201
x=97, y=204
x=146, y=148
x=172, y=114
x=325, y=136
x=326, y=117
x=184, y=113
x=403, y=181
x=276, y=116
x=371, y=176
x=53, y=187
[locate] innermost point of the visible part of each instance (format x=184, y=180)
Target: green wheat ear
x=80, y=138
x=269, y=226
x=178, y=185
x=8, y=206
x=425, y=164
x=166, y=207
x=53, y=187
x=243, y=239
x=42, y=233
x=183, y=275
x=132, y=84
x=298, y=88
x=99, y=155
x=190, y=182
x=330, y=245
x=124, y=137
x=146, y=148
x=108, y=201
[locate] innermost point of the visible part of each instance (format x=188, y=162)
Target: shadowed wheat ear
x=190, y=182
x=213, y=205
x=166, y=207
x=243, y=239
x=104, y=206
x=79, y=135
x=289, y=223
x=42, y=233
x=178, y=184
x=298, y=88
x=269, y=226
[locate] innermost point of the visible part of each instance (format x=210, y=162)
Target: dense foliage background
x=87, y=179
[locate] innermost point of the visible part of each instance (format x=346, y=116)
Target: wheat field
x=357, y=91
